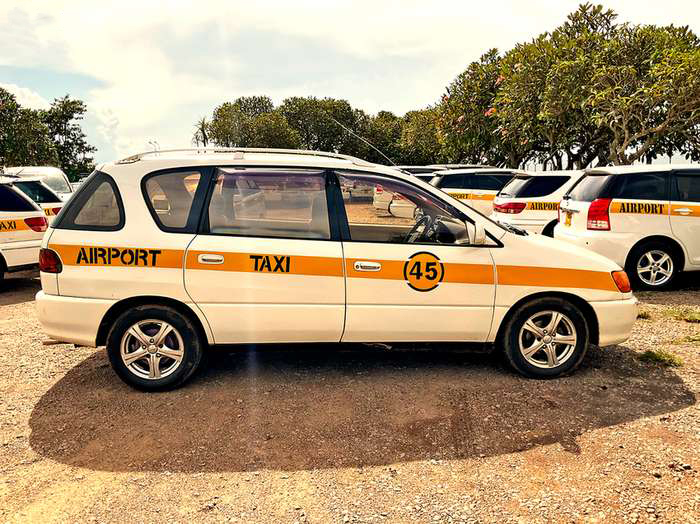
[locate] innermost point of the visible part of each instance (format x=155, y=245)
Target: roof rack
x=242, y=150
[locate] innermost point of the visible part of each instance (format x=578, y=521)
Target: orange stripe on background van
x=639, y=208
x=555, y=277
x=269, y=263
x=111, y=256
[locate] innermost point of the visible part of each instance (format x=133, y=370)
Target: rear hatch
x=577, y=202
x=49, y=201
x=535, y=194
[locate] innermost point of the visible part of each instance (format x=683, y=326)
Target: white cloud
x=26, y=97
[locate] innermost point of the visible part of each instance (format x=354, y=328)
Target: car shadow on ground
x=307, y=407
x=19, y=288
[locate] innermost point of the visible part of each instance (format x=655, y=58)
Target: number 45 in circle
x=423, y=271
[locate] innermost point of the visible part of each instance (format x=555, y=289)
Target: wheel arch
x=548, y=229
x=675, y=245
x=587, y=310
x=123, y=305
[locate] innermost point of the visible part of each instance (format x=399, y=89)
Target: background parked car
x=41, y=194
x=531, y=201
x=53, y=177
x=476, y=187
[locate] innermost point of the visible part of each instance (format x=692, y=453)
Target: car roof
x=640, y=168
x=483, y=171
x=33, y=170
x=560, y=172
x=461, y=166
x=249, y=157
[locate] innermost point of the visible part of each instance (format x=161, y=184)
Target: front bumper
x=70, y=319
x=615, y=320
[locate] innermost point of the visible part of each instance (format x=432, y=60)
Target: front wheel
x=546, y=338
x=652, y=266
x=154, y=348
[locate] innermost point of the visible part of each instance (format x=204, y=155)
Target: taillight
x=598, y=216
x=510, y=207
x=622, y=281
x=49, y=262
x=56, y=210
x=378, y=188
x=38, y=224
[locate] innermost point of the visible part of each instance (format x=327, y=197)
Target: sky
x=148, y=72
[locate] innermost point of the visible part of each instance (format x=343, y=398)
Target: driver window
x=388, y=210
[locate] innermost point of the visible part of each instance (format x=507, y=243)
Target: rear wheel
x=546, y=338
x=652, y=266
x=154, y=348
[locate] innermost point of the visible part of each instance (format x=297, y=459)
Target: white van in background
x=53, y=177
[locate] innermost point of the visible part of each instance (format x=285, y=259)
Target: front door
x=265, y=266
x=685, y=213
x=411, y=275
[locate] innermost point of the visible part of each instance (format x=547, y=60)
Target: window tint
x=589, y=187
x=170, y=196
x=491, y=182
x=534, y=187
x=387, y=210
x=688, y=187
x=280, y=204
x=38, y=192
x=96, y=207
x=648, y=186
x=13, y=202
x=457, y=182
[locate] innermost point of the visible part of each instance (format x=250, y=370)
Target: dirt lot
x=322, y=434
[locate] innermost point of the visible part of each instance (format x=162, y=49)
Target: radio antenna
x=363, y=139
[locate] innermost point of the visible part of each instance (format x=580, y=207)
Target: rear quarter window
x=457, y=182
x=96, y=207
x=539, y=186
x=489, y=182
x=589, y=187
x=13, y=202
x=170, y=196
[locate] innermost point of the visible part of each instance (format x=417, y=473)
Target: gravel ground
x=359, y=434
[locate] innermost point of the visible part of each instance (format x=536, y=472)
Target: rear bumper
x=615, y=320
x=70, y=319
x=614, y=246
x=20, y=254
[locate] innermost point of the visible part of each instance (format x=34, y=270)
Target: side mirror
x=477, y=234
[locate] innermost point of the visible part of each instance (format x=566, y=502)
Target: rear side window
x=688, y=187
x=38, y=192
x=13, y=202
x=534, y=187
x=589, y=187
x=647, y=186
x=96, y=207
x=457, y=182
x=170, y=196
x=492, y=182
x=269, y=204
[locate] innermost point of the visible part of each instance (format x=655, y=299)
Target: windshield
x=588, y=188
x=38, y=192
x=56, y=182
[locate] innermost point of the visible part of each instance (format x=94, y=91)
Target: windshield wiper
x=513, y=229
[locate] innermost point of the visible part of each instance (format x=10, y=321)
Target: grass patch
x=661, y=356
x=690, y=339
x=644, y=315
x=686, y=314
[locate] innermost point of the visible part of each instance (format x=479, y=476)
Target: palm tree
x=201, y=133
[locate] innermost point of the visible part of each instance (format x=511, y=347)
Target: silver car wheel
x=152, y=349
x=655, y=268
x=548, y=339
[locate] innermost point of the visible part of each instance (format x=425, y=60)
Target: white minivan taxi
x=530, y=201
x=22, y=226
x=644, y=218
x=53, y=177
x=162, y=255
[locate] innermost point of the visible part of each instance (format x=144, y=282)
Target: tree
x=201, y=132
x=646, y=92
x=24, y=138
x=272, y=130
x=419, y=138
x=62, y=120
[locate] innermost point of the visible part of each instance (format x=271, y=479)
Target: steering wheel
x=419, y=228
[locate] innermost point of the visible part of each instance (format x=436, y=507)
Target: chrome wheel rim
x=152, y=349
x=547, y=339
x=655, y=267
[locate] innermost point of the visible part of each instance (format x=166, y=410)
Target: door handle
x=683, y=211
x=362, y=265
x=210, y=258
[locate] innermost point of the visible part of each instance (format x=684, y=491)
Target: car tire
x=664, y=256
x=530, y=347
x=162, y=354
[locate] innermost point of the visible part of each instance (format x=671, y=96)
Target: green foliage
x=419, y=138
x=63, y=121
